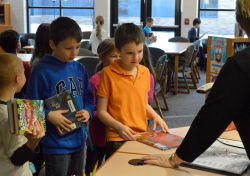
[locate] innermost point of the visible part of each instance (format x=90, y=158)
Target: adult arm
x=225, y=103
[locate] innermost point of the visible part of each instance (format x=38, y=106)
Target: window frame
x=60, y=8
x=146, y=11
x=211, y=10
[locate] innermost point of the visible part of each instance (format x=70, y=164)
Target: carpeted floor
x=184, y=107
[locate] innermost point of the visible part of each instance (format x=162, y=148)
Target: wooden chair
x=161, y=72
x=185, y=70
x=155, y=53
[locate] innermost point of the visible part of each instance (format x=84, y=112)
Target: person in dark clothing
x=194, y=37
x=192, y=33
x=228, y=101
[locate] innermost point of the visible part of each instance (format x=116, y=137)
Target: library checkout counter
x=117, y=164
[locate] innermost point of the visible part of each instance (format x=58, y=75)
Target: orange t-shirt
x=127, y=97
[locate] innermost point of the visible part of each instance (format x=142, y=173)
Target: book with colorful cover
x=65, y=101
x=160, y=139
x=23, y=113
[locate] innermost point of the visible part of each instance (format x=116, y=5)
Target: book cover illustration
x=160, y=139
x=24, y=113
x=222, y=157
x=65, y=101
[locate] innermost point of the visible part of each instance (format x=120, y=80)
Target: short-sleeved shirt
x=127, y=97
x=147, y=30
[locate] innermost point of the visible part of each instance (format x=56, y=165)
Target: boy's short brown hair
x=128, y=33
x=10, y=66
x=243, y=14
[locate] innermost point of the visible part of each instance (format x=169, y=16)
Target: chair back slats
x=155, y=53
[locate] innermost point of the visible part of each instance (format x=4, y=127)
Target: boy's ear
x=18, y=78
x=52, y=44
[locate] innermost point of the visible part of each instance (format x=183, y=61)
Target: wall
x=189, y=10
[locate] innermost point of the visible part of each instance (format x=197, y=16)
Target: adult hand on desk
x=157, y=159
x=126, y=133
x=162, y=160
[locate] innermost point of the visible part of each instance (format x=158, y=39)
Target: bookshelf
x=5, y=22
x=219, y=49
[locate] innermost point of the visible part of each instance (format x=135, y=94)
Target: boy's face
x=197, y=26
x=65, y=50
x=150, y=24
x=131, y=55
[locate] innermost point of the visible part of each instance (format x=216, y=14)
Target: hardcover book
x=224, y=157
x=24, y=113
x=65, y=101
x=160, y=139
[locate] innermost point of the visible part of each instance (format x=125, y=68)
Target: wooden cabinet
x=5, y=20
x=219, y=49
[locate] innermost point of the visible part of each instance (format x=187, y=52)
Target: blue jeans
x=64, y=165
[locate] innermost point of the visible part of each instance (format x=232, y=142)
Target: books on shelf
x=24, y=113
x=159, y=139
x=65, y=101
x=223, y=156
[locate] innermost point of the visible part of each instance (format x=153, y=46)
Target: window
x=217, y=16
x=45, y=11
x=127, y=12
x=163, y=12
x=166, y=14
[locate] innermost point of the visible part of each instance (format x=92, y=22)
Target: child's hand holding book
x=82, y=116
x=35, y=136
x=62, y=124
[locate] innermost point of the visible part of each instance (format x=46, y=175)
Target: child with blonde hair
x=15, y=150
x=98, y=34
x=107, y=54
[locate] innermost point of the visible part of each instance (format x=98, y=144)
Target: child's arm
x=88, y=98
x=157, y=119
x=124, y=131
x=59, y=121
x=82, y=116
x=29, y=149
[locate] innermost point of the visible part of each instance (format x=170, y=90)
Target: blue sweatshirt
x=51, y=77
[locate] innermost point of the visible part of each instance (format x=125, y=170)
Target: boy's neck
x=6, y=94
x=132, y=71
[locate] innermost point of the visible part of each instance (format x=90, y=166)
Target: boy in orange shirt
x=122, y=94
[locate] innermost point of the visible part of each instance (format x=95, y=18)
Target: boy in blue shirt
x=54, y=74
x=150, y=38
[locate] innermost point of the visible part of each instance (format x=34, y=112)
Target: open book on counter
x=159, y=139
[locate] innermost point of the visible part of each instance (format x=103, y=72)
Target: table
x=175, y=49
x=117, y=164
x=24, y=56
